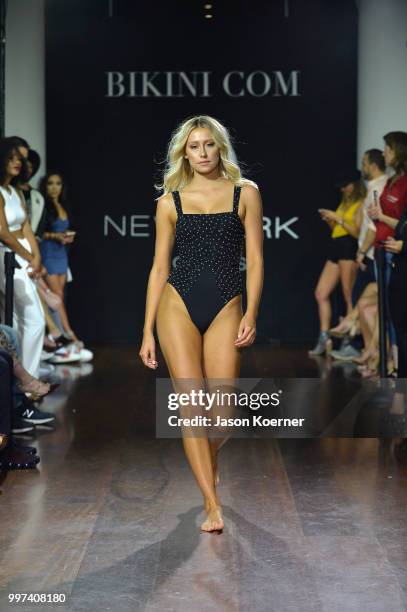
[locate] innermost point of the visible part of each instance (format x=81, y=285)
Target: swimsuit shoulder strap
x=177, y=202
x=236, y=198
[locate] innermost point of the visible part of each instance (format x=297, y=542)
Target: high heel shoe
x=34, y=393
x=323, y=345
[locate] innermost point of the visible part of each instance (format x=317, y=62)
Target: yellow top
x=348, y=215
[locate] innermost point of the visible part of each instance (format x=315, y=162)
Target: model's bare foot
x=367, y=354
x=214, y=522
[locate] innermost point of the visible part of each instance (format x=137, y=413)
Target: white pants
x=28, y=316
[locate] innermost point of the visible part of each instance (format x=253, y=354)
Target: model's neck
x=375, y=174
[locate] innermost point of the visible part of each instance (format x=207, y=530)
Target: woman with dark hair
x=55, y=239
x=390, y=216
x=340, y=265
x=16, y=235
x=33, y=198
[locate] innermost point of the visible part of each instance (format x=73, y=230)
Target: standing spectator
x=33, y=198
x=55, y=239
x=16, y=234
x=393, y=202
x=373, y=168
x=340, y=265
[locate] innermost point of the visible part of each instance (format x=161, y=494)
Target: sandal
x=37, y=388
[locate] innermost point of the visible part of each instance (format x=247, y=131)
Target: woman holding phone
x=56, y=237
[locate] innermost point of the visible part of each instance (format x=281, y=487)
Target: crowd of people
x=371, y=217
x=35, y=226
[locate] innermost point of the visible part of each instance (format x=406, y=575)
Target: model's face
x=54, y=186
x=202, y=151
x=366, y=167
x=389, y=155
x=347, y=190
x=13, y=166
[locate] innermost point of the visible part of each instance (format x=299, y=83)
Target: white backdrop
x=25, y=74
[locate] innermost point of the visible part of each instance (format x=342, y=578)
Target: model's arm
x=375, y=212
x=8, y=238
x=253, y=223
x=367, y=243
x=390, y=221
x=327, y=220
x=28, y=233
x=164, y=242
x=351, y=228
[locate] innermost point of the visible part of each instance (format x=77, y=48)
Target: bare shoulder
x=165, y=203
x=165, y=207
x=251, y=195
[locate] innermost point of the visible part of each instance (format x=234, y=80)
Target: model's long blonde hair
x=178, y=172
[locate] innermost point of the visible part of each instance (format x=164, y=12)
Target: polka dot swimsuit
x=207, y=272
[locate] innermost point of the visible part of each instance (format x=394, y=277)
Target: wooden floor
x=111, y=516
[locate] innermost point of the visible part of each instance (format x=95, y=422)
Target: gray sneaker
x=323, y=345
x=347, y=353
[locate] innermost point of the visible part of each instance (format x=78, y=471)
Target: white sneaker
x=66, y=354
x=45, y=356
x=86, y=355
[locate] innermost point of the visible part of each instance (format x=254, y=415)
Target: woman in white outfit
x=16, y=235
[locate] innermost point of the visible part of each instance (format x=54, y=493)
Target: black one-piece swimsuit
x=207, y=274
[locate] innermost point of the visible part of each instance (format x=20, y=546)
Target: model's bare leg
x=326, y=284
x=366, y=303
x=221, y=360
x=348, y=275
x=49, y=321
x=57, y=283
x=181, y=345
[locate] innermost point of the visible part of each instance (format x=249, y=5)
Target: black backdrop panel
x=281, y=75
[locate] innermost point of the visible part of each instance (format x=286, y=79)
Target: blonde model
x=209, y=210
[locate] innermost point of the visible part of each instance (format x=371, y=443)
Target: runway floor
x=111, y=516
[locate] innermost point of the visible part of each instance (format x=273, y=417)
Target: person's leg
x=347, y=270
x=6, y=369
x=181, y=345
x=367, y=308
x=326, y=284
x=390, y=326
x=398, y=312
x=221, y=360
x=28, y=320
x=50, y=323
x=56, y=283
x=25, y=382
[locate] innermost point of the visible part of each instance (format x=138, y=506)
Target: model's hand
x=375, y=211
x=68, y=238
x=330, y=215
x=359, y=260
x=34, y=267
x=247, y=331
x=147, y=351
x=393, y=246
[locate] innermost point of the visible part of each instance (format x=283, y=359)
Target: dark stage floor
x=111, y=516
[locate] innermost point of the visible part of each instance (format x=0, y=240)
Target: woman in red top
x=393, y=203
